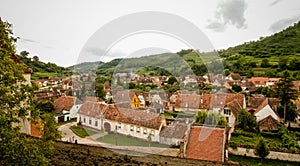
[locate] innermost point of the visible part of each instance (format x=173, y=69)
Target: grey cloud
x=34, y=42
x=216, y=26
x=284, y=23
x=100, y=52
x=229, y=12
x=275, y=2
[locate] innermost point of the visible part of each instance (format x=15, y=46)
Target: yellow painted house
x=135, y=101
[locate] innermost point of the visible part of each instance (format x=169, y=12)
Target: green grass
x=128, y=141
x=256, y=161
x=82, y=132
x=41, y=75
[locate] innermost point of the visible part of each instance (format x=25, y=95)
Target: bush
x=270, y=134
x=233, y=145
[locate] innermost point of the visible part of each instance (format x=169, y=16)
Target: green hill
x=269, y=56
x=85, y=67
x=44, y=70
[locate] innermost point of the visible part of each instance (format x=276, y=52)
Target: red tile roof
x=92, y=109
x=177, y=131
x=220, y=100
x=140, y=118
x=206, y=143
x=65, y=103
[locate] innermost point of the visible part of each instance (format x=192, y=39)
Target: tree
x=16, y=106
x=99, y=91
x=210, y=118
x=45, y=106
x=246, y=121
x=265, y=63
x=237, y=88
x=24, y=53
x=261, y=149
x=172, y=80
x=285, y=92
x=35, y=58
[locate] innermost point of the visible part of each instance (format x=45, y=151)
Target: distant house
x=226, y=104
x=188, y=102
x=66, y=108
x=259, y=81
x=268, y=124
x=261, y=107
x=127, y=99
x=205, y=143
x=172, y=135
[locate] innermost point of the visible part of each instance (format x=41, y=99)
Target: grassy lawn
x=128, y=141
x=256, y=161
x=82, y=132
x=63, y=123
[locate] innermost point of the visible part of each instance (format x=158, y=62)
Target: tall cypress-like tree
x=16, y=106
x=286, y=93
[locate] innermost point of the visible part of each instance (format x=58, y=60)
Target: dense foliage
x=17, y=110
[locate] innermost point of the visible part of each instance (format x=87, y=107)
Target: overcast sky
x=57, y=30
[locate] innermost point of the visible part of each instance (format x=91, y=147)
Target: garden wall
x=273, y=155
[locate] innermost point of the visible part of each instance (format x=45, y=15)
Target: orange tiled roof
x=206, y=143
x=176, y=131
x=92, y=109
x=65, y=103
x=220, y=100
x=140, y=118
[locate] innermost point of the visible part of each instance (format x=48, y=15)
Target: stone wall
x=273, y=155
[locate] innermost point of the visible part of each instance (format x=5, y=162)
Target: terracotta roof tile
x=65, y=103
x=140, y=118
x=177, y=131
x=206, y=143
x=92, y=109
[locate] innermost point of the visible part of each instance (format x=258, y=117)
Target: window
x=145, y=131
x=96, y=123
x=227, y=111
x=79, y=118
x=152, y=132
x=138, y=129
x=131, y=128
x=90, y=121
x=83, y=120
x=119, y=125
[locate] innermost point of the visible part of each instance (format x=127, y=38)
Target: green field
x=122, y=140
x=82, y=132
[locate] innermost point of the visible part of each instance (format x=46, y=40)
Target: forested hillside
x=41, y=69
x=269, y=56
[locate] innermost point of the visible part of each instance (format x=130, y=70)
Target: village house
x=91, y=114
x=265, y=111
x=128, y=99
x=204, y=143
x=138, y=124
x=109, y=118
x=173, y=134
x=66, y=108
x=226, y=104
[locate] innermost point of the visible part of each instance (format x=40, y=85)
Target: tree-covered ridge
x=85, y=67
x=285, y=42
x=41, y=69
x=269, y=57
